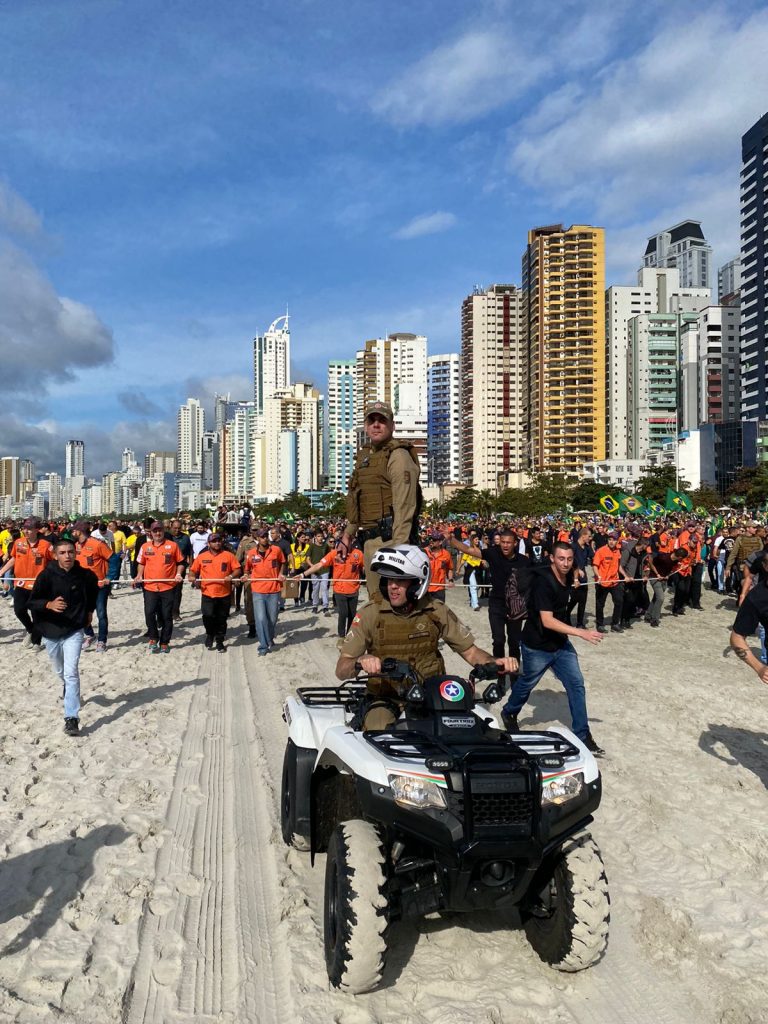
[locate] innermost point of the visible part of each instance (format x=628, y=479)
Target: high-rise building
x=710, y=385
x=653, y=380
x=238, y=453
x=729, y=282
x=754, y=271
x=685, y=247
x=74, y=458
x=657, y=290
x=55, y=506
x=492, y=369
x=191, y=426
x=271, y=362
x=394, y=370
x=10, y=477
x=564, y=290
x=291, y=409
x=157, y=463
x=443, y=418
x=340, y=422
x=128, y=458
x=210, y=460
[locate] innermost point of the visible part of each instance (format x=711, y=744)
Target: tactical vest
x=412, y=638
x=369, y=498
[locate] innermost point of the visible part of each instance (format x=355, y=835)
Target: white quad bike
x=441, y=812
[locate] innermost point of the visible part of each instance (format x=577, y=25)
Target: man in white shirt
x=198, y=538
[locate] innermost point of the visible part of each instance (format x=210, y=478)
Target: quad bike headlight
x=415, y=791
x=561, y=788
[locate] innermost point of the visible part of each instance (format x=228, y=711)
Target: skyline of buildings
x=559, y=374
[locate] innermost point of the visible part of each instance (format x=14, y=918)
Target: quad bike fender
x=588, y=764
x=349, y=752
x=307, y=728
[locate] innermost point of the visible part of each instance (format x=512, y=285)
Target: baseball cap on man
x=380, y=409
x=82, y=526
x=32, y=523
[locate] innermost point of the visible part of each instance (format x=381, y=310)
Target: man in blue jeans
x=545, y=644
x=62, y=603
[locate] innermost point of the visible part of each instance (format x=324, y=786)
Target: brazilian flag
x=609, y=504
x=677, y=501
x=653, y=509
x=631, y=503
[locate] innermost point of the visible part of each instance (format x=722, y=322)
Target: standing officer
x=384, y=497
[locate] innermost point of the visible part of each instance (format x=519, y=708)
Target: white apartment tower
x=658, y=290
x=492, y=353
x=394, y=370
x=294, y=409
x=653, y=380
x=191, y=426
x=74, y=464
x=682, y=246
x=271, y=362
x=710, y=382
x=443, y=418
x=340, y=422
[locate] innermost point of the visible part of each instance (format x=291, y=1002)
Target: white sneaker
x=101, y=646
x=27, y=641
x=88, y=643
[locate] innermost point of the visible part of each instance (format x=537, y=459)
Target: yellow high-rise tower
x=564, y=282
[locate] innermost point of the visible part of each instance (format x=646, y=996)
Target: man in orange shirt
x=609, y=578
x=94, y=554
x=264, y=567
x=159, y=571
x=347, y=573
x=29, y=555
x=440, y=567
x=212, y=572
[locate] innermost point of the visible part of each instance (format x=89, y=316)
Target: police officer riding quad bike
x=441, y=811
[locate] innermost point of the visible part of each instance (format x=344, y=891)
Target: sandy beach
x=143, y=877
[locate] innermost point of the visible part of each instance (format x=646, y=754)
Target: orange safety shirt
x=440, y=564
x=348, y=572
x=29, y=560
x=265, y=568
x=161, y=563
x=606, y=565
x=211, y=568
x=94, y=554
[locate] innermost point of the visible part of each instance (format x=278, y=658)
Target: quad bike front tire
x=568, y=926
x=355, y=911
x=288, y=800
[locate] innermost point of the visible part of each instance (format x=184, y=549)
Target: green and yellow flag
x=631, y=503
x=653, y=509
x=677, y=501
x=609, y=504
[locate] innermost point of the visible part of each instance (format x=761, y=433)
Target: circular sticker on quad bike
x=451, y=690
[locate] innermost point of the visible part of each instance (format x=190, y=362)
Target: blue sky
x=175, y=174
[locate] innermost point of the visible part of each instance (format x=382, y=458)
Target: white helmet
x=405, y=561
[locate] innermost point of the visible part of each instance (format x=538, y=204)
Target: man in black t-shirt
x=536, y=547
x=752, y=614
x=546, y=644
x=501, y=559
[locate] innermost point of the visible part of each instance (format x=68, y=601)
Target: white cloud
x=426, y=224
x=673, y=109
x=458, y=81
x=16, y=215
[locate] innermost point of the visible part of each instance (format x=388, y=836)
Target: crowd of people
x=242, y=564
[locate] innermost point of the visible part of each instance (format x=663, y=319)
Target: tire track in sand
x=207, y=948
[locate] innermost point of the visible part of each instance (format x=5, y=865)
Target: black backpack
x=517, y=592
